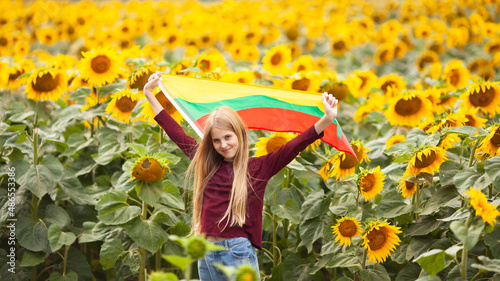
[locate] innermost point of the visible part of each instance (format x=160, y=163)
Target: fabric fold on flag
x=260, y=107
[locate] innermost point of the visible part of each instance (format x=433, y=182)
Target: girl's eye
x=228, y=137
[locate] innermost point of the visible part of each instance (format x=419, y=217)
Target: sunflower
x=449, y=141
x=408, y=108
x=245, y=77
x=427, y=58
x=393, y=140
x=379, y=239
x=339, y=47
x=345, y=164
x=18, y=69
x=339, y=90
x=447, y=120
x=211, y=61
x=345, y=229
x=488, y=212
x=4, y=74
x=456, y=74
x=490, y=144
x=407, y=188
x=370, y=183
x=384, y=53
x=422, y=30
x=400, y=49
x=275, y=61
x=472, y=118
x=21, y=49
x=178, y=67
x=303, y=81
x=91, y=100
x=100, y=66
x=374, y=102
x=266, y=145
x=140, y=76
x=361, y=82
x=173, y=38
x=442, y=98
x=149, y=114
x=485, y=96
x=245, y=272
x=46, y=83
x=492, y=47
x=121, y=105
x=149, y=168
x=303, y=63
x=391, y=84
x=426, y=160
x=47, y=35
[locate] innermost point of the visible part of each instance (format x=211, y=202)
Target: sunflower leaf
x=432, y=261
x=377, y=273
x=492, y=167
x=488, y=264
x=468, y=235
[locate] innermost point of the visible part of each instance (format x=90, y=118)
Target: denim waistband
x=228, y=243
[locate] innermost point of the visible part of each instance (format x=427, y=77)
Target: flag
x=260, y=107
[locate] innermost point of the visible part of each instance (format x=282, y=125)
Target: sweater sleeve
x=277, y=160
x=175, y=132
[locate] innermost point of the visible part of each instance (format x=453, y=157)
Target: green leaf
x=488, y=264
x=38, y=179
x=492, y=240
x=310, y=231
x=418, y=246
x=470, y=177
x=56, y=215
x=453, y=250
x=181, y=262
x=57, y=238
x=138, y=149
x=346, y=259
x=162, y=276
x=315, y=205
x=72, y=187
x=133, y=260
x=55, y=167
x=16, y=128
x=180, y=229
x=149, y=192
x=171, y=196
x=147, y=234
x=492, y=167
x=32, y=258
x=110, y=252
x=423, y=226
x=113, y=209
x=290, y=211
x=429, y=278
x=410, y=272
x=447, y=171
x=468, y=235
x=110, y=148
x=112, y=88
x=70, y=276
x=463, y=130
x=393, y=205
x=32, y=235
x=80, y=93
x=439, y=199
x=378, y=273
x=432, y=261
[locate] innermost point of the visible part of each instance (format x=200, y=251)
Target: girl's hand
x=330, y=105
x=152, y=83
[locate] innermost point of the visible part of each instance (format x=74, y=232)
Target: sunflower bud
x=245, y=273
x=196, y=248
x=148, y=169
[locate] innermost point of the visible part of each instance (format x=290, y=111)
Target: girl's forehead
x=218, y=132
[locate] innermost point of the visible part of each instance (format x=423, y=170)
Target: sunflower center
x=454, y=77
x=495, y=140
x=100, y=64
x=275, y=143
x=46, y=83
x=350, y=161
x=409, y=185
x=3, y=41
x=125, y=104
x=426, y=160
x=146, y=164
x=276, y=59
x=368, y=182
x=339, y=45
x=172, y=39
x=302, y=84
x=377, y=239
x=424, y=61
x=482, y=98
x=204, y=65
x=494, y=48
x=408, y=107
x=339, y=91
x=470, y=121
x=141, y=80
x=347, y=228
x=386, y=86
x=301, y=67
x=384, y=56
x=14, y=76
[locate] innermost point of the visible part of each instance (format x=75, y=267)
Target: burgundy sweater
x=218, y=190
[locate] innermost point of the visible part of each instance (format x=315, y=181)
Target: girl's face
x=225, y=142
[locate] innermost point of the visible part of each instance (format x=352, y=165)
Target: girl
x=229, y=185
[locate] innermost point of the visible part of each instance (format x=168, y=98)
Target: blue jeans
x=239, y=251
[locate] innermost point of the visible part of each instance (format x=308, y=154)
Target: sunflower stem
x=417, y=200
x=363, y=262
x=65, y=262
x=142, y=251
x=357, y=198
x=463, y=269
x=319, y=155
x=158, y=260
x=473, y=151
x=490, y=191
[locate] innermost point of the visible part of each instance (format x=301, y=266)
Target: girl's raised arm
x=148, y=92
x=330, y=105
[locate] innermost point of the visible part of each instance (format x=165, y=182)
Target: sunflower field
x=93, y=189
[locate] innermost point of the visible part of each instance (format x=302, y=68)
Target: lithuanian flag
x=260, y=107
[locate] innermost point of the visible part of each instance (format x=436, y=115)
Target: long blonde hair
x=206, y=161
